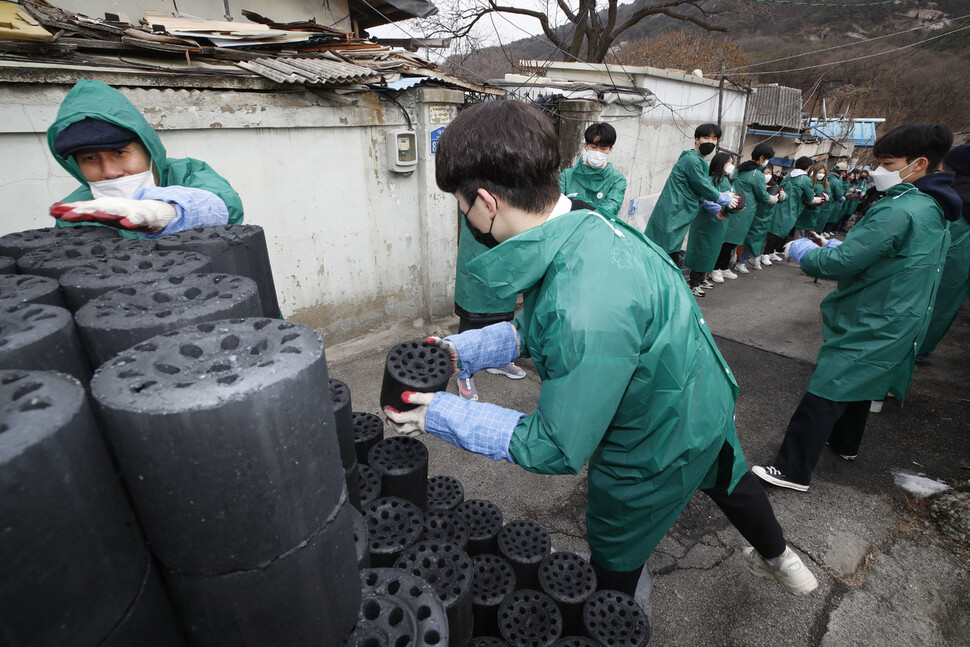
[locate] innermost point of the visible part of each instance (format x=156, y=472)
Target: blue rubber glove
x=798, y=248
x=712, y=208
x=833, y=243
x=489, y=347
x=842, y=199
x=477, y=427
x=725, y=199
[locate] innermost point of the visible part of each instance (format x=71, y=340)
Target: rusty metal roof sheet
x=310, y=71
x=776, y=106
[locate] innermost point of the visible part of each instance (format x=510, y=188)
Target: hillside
x=911, y=81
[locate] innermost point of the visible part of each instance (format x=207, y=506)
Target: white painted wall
x=353, y=245
x=650, y=141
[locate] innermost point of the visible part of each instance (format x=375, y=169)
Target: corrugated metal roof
x=310, y=71
x=776, y=106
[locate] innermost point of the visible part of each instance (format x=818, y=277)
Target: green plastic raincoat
x=707, y=234
x=632, y=382
x=469, y=294
x=799, y=190
x=687, y=186
x=888, y=271
x=601, y=187
x=101, y=101
x=751, y=184
x=834, y=207
x=954, y=285
x=810, y=213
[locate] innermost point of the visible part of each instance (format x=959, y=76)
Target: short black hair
x=911, y=141
x=804, y=163
x=602, y=131
x=508, y=148
x=763, y=150
x=707, y=130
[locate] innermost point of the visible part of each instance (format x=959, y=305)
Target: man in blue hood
x=127, y=180
x=888, y=271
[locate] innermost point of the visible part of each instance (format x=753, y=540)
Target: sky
x=491, y=29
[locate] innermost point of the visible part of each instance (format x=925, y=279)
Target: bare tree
x=587, y=32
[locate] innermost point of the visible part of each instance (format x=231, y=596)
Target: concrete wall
x=650, y=139
x=353, y=245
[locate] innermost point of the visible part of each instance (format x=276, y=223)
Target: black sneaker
x=773, y=475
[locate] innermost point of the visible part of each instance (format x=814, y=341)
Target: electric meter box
x=402, y=151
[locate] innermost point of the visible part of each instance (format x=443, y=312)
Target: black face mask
x=706, y=148
x=483, y=237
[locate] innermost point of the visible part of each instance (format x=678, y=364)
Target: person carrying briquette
x=687, y=186
x=955, y=282
x=833, y=208
x=799, y=188
x=127, y=180
x=888, y=272
x=754, y=242
x=810, y=214
x=705, y=251
x=593, y=179
x=632, y=381
x=752, y=184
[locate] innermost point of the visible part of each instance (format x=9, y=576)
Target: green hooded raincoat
x=954, y=285
x=632, y=382
x=799, y=190
x=688, y=185
x=752, y=185
x=601, y=187
x=707, y=234
x=101, y=101
x=888, y=271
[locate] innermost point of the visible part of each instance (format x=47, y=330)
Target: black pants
x=475, y=320
x=747, y=508
x=696, y=278
x=815, y=422
x=724, y=258
x=773, y=244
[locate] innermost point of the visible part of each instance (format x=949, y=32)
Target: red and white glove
x=410, y=423
x=124, y=213
x=449, y=348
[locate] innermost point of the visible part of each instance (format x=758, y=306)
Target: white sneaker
x=707, y=285
x=789, y=571
x=755, y=262
x=717, y=276
x=510, y=371
x=741, y=268
x=766, y=260
x=773, y=256
x=875, y=406
x=697, y=291
x=728, y=274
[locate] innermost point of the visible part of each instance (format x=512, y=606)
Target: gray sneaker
x=466, y=388
x=789, y=571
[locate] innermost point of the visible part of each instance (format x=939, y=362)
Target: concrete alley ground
x=892, y=570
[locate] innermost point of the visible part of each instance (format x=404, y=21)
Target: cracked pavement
x=887, y=576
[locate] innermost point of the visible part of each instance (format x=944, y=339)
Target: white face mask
x=820, y=176
x=886, y=179
x=729, y=169
x=123, y=187
x=594, y=158
x=767, y=177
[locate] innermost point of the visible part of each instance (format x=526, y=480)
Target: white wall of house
x=651, y=139
x=353, y=245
